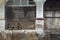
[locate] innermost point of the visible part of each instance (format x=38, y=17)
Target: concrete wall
x=2, y=15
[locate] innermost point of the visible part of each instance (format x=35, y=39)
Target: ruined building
x=29, y=20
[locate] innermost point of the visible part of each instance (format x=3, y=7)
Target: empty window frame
x=20, y=18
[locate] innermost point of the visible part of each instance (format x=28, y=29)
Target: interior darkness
x=30, y=0
x=52, y=5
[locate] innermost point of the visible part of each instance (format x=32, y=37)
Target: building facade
x=30, y=17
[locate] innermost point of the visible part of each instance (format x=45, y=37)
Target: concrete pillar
x=2, y=15
x=39, y=14
x=39, y=11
